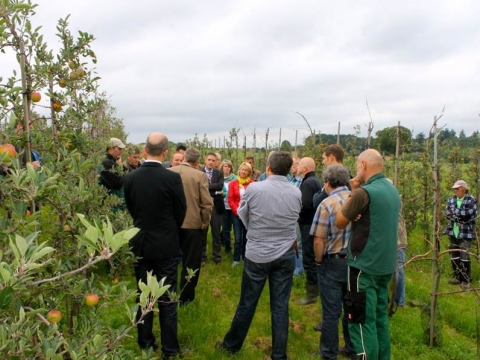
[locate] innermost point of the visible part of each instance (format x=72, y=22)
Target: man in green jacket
x=373, y=209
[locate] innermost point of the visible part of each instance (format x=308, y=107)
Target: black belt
x=335, y=256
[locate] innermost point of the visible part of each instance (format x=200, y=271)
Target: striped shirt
x=294, y=180
x=323, y=226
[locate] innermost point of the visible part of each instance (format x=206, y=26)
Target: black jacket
x=156, y=201
x=310, y=185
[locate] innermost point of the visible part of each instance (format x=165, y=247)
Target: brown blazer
x=199, y=201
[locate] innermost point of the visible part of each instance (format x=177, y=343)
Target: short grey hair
x=336, y=175
x=191, y=155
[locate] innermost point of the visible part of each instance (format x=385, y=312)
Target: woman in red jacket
x=236, y=189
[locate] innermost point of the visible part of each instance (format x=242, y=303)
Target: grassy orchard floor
x=205, y=321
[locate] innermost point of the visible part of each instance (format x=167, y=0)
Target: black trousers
x=191, y=241
x=165, y=268
x=460, y=260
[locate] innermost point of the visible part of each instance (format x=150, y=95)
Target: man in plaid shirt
x=461, y=212
x=330, y=245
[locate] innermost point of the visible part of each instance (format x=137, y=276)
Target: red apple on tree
x=57, y=106
x=36, y=96
x=9, y=150
x=54, y=316
x=91, y=299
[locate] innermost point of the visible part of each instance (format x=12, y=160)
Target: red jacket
x=234, y=195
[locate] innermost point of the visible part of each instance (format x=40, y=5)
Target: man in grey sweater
x=269, y=209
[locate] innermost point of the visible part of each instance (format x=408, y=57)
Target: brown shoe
x=454, y=282
x=465, y=286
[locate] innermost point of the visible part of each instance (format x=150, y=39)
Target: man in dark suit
x=215, y=186
x=199, y=210
x=156, y=201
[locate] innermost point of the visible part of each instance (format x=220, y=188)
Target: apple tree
x=57, y=229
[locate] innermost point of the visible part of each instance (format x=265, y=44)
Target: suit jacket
x=199, y=201
x=156, y=201
x=216, y=185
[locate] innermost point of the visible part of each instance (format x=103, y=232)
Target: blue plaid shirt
x=294, y=180
x=465, y=216
x=336, y=240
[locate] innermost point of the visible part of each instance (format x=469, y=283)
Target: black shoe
x=219, y=345
x=153, y=346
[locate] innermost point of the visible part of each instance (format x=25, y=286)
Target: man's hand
x=355, y=183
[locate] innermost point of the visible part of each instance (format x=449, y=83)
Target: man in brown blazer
x=197, y=219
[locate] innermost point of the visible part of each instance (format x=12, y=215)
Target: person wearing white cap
x=111, y=171
x=461, y=212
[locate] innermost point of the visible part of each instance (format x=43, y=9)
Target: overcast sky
x=186, y=67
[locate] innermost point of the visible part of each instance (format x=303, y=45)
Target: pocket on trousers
x=355, y=305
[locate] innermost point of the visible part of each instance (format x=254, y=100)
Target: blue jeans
x=280, y=277
x=400, y=278
x=299, y=260
x=226, y=229
x=332, y=281
x=240, y=238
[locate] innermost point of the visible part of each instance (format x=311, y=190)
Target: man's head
x=176, y=159
x=279, y=163
x=333, y=154
x=369, y=163
x=191, y=156
x=115, y=147
x=133, y=156
x=306, y=165
x=180, y=148
x=156, y=147
x=335, y=176
x=294, y=167
x=251, y=161
x=210, y=161
x=19, y=126
x=460, y=188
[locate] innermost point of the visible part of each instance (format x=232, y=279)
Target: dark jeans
x=227, y=224
x=461, y=259
x=280, y=276
x=308, y=254
x=191, y=245
x=332, y=281
x=167, y=268
x=215, y=225
x=240, y=238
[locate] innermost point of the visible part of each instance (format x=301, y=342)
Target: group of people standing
x=345, y=230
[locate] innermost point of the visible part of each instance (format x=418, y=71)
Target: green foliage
x=387, y=139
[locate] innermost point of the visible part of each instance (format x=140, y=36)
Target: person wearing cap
x=132, y=162
x=111, y=170
x=461, y=212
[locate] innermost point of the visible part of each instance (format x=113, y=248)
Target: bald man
x=156, y=200
x=373, y=209
x=309, y=186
